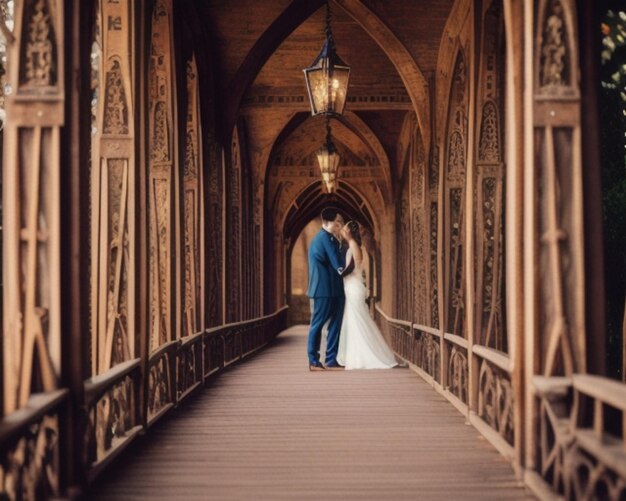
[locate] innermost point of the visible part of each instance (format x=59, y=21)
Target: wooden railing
x=118, y=405
x=30, y=445
x=580, y=451
x=443, y=359
x=581, y=446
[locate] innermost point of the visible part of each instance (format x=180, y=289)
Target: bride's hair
x=353, y=226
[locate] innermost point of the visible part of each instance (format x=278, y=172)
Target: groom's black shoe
x=316, y=366
x=334, y=366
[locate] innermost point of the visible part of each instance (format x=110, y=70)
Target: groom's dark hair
x=329, y=214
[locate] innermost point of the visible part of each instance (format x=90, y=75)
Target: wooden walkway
x=270, y=429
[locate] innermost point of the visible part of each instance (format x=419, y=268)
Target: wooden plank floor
x=270, y=429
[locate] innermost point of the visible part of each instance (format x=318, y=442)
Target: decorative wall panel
x=234, y=291
x=559, y=189
x=30, y=468
x=433, y=236
x=215, y=237
x=193, y=289
x=454, y=215
x=489, y=186
x=162, y=175
x=419, y=231
x=404, y=257
x=32, y=353
x=113, y=187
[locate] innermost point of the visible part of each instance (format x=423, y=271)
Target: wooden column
x=75, y=140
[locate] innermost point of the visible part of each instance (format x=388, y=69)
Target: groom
x=327, y=259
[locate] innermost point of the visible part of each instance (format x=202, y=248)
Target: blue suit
x=326, y=263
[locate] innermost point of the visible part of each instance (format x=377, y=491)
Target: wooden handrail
x=609, y=451
x=191, y=339
x=551, y=386
x=97, y=385
x=427, y=329
x=496, y=357
x=391, y=320
x=458, y=340
x=164, y=348
x=39, y=404
x=601, y=388
x=243, y=323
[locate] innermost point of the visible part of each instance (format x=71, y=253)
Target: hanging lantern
x=327, y=77
x=328, y=160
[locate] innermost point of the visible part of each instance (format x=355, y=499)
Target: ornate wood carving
x=234, y=233
x=250, y=264
x=559, y=193
x=433, y=235
x=489, y=187
x=32, y=351
x=554, y=440
x=428, y=355
x=190, y=367
x=111, y=418
x=454, y=227
x=420, y=254
x=555, y=59
x=215, y=238
x=495, y=400
x=556, y=342
x=193, y=290
x=159, y=384
x=30, y=468
x=404, y=264
x=113, y=186
x=398, y=101
x=457, y=373
x=39, y=53
x=162, y=174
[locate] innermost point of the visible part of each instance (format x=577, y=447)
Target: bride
x=361, y=345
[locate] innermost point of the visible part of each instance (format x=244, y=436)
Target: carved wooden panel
x=111, y=418
x=162, y=174
x=160, y=388
x=454, y=193
x=215, y=238
x=34, y=99
x=489, y=186
x=458, y=372
x=193, y=289
x=433, y=236
x=558, y=202
x=250, y=264
x=495, y=400
x=404, y=258
x=420, y=252
x=234, y=233
x=259, y=264
x=30, y=467
x=556, y=343
x=113, y=187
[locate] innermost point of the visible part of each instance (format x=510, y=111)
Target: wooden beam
x=294, y=15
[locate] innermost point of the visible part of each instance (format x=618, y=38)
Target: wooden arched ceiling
x=363, y=173
x=261, y=48
x=311, y=200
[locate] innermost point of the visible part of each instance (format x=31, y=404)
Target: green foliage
x=613, y=155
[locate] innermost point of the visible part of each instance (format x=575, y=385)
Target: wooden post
x=144, y=32
x=590, y=48
x=474, y=50
x=75, y=140
x=513, y=18
x=531, y=362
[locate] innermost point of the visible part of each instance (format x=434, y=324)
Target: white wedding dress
x=361, y=345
